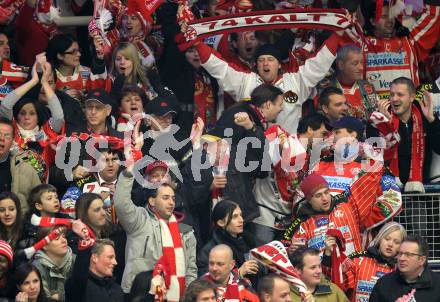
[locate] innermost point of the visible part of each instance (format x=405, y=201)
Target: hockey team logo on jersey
x=338, y=214
x=388, y=182
x=290, y=97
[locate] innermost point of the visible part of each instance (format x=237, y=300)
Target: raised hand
x=22, y=297
x=243, y=119
x=384, y=107
x=427, y=107
x=197, y=131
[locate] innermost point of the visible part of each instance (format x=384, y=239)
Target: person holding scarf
x=412, y=132
x=370, y=265
x=345, y=215
x=155, y=238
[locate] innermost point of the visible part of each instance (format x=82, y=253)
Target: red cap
x=157, y=163
x=313, y=183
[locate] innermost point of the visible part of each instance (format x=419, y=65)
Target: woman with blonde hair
x=127, y=69
x=370, y=265
x=126, y=62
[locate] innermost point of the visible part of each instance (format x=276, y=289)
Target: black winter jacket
x=239, y=187
x=87, y=287
x=392, y=287
x=239, y=246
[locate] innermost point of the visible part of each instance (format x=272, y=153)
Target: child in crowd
x=44, y=202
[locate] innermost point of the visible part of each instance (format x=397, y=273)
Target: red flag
x=145, y=7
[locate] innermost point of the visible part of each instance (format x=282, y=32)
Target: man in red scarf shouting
x=412, y=132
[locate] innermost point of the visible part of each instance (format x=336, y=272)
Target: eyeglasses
x=408, y=254
x=72, y=52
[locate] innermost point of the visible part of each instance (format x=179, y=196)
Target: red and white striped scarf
x=339, y=259
x=172, y=259
x=329, y=19
x=274, y=256
x=232, y=291
x=390, y=131
x=287, y=155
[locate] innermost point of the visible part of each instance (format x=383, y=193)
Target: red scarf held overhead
x=313, y=18
x=145, y=7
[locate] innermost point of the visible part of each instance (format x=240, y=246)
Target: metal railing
x=421, y=215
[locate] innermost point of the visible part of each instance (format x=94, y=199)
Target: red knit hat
x=6, y=250
x=313, y=183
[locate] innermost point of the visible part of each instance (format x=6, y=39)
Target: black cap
x=268, y=49
x=100, y=96
x=160, y=106
x=350, y=123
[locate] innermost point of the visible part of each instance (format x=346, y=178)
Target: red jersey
x=82, y=79
x=361, y=96
x=11, y=77
x=363, y=275
x=387, y=59
x=374, y=198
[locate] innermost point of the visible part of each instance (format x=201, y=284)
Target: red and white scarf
x=232, y=291
x=340, y=261
x=329, y=19
x=87, y=238
x=285, y=151
x=390, y=131
x=274, y=256
x=172, y=261
x=45, y=14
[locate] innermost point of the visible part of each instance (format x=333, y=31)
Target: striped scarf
x=229, y=294
x=390, y=131
x=172, y=259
